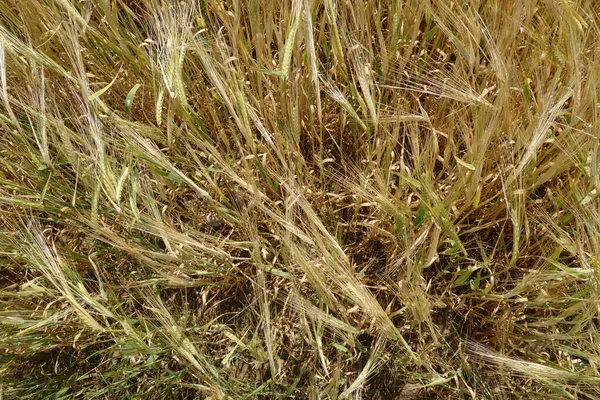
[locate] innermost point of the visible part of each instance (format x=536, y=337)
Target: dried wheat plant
x=309, y=199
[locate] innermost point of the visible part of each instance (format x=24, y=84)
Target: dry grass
x=307, y=199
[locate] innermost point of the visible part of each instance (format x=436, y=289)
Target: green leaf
x=261, y=168
x=474, y=283
x=326, y=48
x=399, y=227
x=420, y=217
x=465, y=164
x=283, y=129
x=405, y=178
x=151, y=359
x=129, y=98
x=275, y=271
x=463, y=275
x=430, y=33
x=100, y=92
x=588, y=198
x=175, y=178
x=437, y=381
x=340, y=347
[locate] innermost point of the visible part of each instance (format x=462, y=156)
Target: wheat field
x=306, y=199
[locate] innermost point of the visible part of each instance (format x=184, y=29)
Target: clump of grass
x=312, y=199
